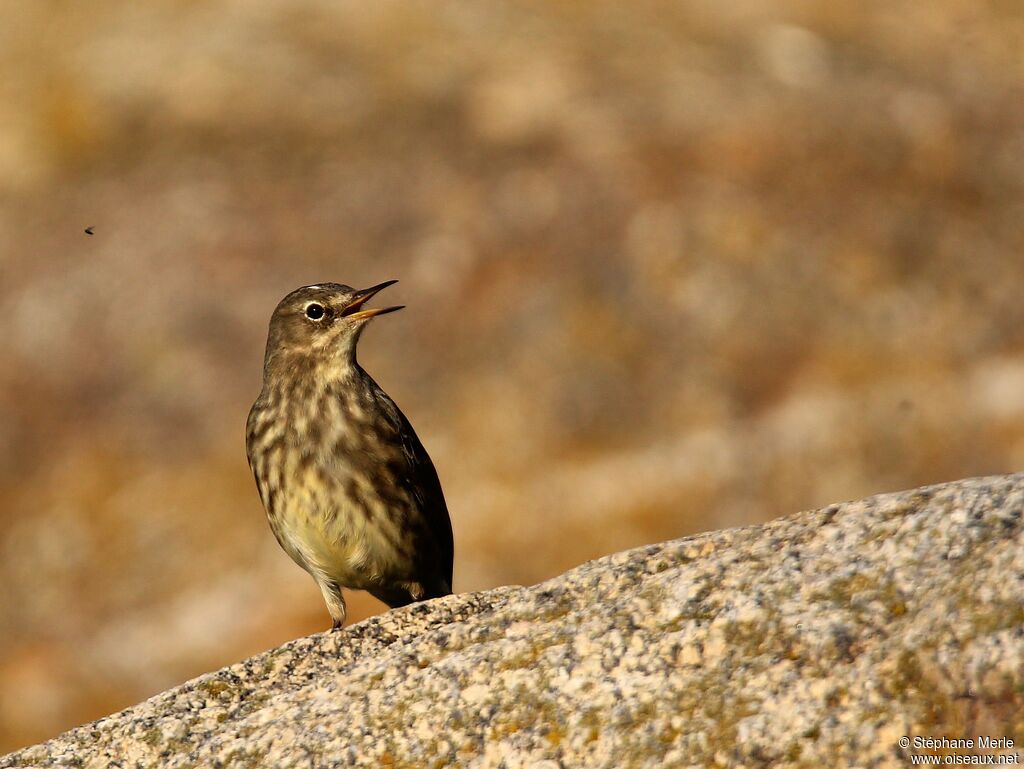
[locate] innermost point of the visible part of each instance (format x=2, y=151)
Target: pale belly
x=339, y=543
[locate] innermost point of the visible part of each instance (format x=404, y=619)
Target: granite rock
x=819, y=639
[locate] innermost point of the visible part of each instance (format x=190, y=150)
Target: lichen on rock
x=816, y=640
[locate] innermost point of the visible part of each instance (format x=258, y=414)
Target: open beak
x=352, y=309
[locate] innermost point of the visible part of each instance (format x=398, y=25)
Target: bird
x=350, y=493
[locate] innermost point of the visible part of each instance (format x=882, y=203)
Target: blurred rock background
x=669, y=266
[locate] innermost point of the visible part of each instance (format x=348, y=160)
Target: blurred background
x=669, y=267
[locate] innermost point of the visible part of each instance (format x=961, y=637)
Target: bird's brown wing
x=435, y=555
x=414, y=492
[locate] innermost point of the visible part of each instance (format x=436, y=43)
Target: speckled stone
x=815, y=640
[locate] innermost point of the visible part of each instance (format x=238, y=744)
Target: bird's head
x=321, y=322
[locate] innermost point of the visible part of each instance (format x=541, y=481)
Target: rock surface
x=816, y=640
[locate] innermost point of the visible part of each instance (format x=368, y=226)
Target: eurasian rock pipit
x=349, y=490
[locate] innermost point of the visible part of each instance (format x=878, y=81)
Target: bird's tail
x=393, y=596
x=403, y=596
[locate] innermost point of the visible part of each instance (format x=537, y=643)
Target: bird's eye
x=314, y=311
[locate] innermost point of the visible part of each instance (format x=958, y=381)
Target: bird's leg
x=335, y=603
